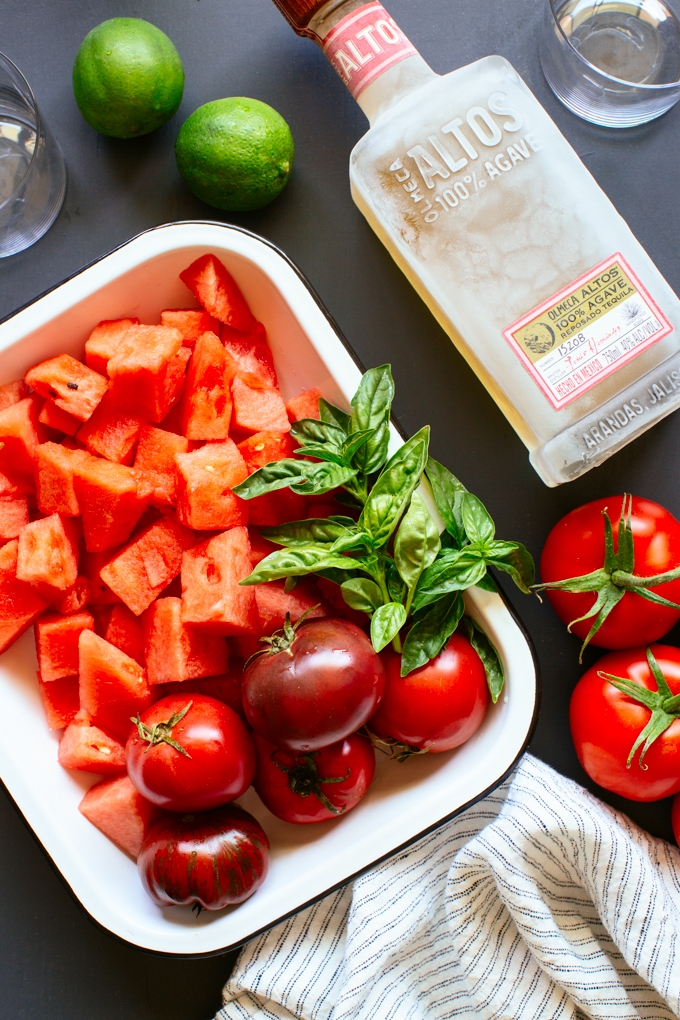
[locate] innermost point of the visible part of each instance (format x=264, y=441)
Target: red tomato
x=321, y=689
x=605, y=723
x=194, y=755
x=575, y=546
x=215, y=859
x=438, y=706
x=314, y=786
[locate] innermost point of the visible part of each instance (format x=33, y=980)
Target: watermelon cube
x=56, y=642
x=305, y=405
x=259, y=547
x=275, y=507
x=92, y=563
x=176, y=651
x=206, y=404
x=217, y=291
x=111, y=433
x=13, y=517
x=85, y=747
x=71, y=385
x=109, y=503
x=124, y=630
x=55, y=467
x=12, y=393
x=104, y=341
x=253, y=356
x=226, y=688
x=113, y=687
x=147, y=371
x=155, y=467
x=74, y=599
x=256, y=409
x=60, y=701
x=140, y=571
x=122, y=814
x=20, y=435
x=56, y=418
x=20, y=602
x=273, y=603
x=205, y=478
x=191, y=322
x=212, y=597
x=48, y=552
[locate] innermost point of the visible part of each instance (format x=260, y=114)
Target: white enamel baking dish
x=405, y=801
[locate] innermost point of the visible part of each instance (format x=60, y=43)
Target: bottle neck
x=376, y=61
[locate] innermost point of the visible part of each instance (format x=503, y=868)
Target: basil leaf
x=395, y=585
x=277, y=475
x=386, y=623
x=517, y=561
x=329, y=453
x=362, y=594
x=322, y=478
x=309, y=430
x=351, y=541
x=291, y=583
x=478, y=525
x=319, y=530
x=493, y=667
x=296, y=562
x=348, y=499
x=348, y=522
x=335, y=416
x=371, y=408
x=431, y=631
x=448, y=495
x=393, y=489
x=487, y=583
x=416, y=543
x=354, y=443
x=447, y=574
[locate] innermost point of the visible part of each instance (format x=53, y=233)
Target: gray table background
x=53, y=961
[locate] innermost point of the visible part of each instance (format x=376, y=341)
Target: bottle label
x=586, y=332
x=364, y=45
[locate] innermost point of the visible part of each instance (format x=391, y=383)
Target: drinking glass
x=613, y=62
x=32, y=172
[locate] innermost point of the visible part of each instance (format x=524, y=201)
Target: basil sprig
x=391, y=563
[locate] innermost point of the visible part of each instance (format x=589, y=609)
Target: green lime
x=235, y=154
x=128, y=78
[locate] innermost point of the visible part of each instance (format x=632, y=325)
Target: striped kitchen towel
x=539, y=903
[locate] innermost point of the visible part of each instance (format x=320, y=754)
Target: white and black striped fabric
x=539, y=903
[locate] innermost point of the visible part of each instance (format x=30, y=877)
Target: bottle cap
x=299, y=12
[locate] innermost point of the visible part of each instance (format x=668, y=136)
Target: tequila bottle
x=508, y=239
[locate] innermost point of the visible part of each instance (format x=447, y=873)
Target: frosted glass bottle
x=508, y=239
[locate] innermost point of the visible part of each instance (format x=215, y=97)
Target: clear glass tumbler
x=32, y=172
x=613, y=62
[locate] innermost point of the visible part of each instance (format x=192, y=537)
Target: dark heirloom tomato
x=576, y=547
x=314, y=786
x=321, y=688
x=438, y=706
x=190, y=753
x=606, y=723
x=217, y=858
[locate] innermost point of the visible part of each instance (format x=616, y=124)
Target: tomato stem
x=161, y=732
x=662, y=703
x=611, y=582
x=305, y=781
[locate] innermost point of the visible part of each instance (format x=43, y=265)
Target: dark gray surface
x=53, y=962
